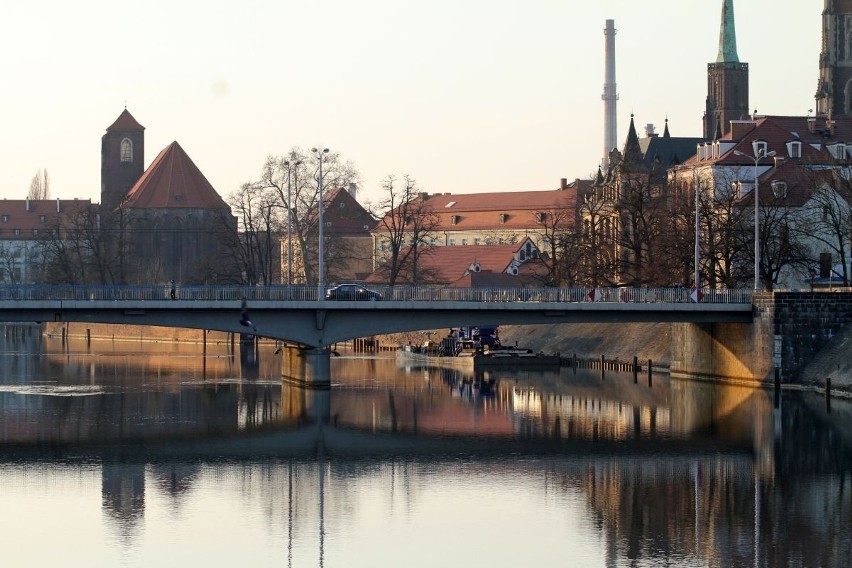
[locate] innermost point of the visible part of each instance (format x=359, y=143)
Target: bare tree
x=408, y=223
x=297, y=175
x=255, y=247
x=39, y=186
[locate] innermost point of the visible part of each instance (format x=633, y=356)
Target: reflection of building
x=123, y=495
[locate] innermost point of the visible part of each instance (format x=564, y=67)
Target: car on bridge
x=351, y=292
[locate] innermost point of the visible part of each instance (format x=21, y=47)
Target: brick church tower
x=834, y=90
x=727, y=81
x=122, y=159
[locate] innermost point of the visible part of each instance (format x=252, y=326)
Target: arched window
x=126, y=150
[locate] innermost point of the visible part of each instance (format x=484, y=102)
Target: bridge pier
x=737, y=351
x=310, y=367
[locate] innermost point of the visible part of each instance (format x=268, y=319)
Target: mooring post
x=650, y=373
x=777, y=388
x=602, y=367
x=88, y=337
x=635, y=369
x=828, y=395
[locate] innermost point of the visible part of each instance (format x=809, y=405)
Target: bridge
x=296, y=315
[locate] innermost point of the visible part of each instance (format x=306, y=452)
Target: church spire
x=632, y=151
x=727, y=35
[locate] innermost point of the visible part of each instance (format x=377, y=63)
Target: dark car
x=351, y=292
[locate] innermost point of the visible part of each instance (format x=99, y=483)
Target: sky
x=465, y=96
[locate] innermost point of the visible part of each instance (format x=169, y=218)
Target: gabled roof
x=125, y=121
x=173, y=181
x=343, y=215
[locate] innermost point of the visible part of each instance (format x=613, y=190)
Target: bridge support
x=723, y=350
x=311, y=367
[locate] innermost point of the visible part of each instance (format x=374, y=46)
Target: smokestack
x=609, y=95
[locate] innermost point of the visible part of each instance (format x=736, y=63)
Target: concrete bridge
x=295, y=314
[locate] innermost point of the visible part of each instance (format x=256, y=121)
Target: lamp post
x=320, y=154
x=759, y=152
x=290, y=172
x=697, y=259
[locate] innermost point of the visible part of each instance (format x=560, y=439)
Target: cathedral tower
x=834, y=90
x=727, y=81
x=122, y=158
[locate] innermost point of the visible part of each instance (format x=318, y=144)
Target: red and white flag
x=696, y=295
x=594, y=295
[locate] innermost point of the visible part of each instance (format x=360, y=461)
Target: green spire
x=727, y=35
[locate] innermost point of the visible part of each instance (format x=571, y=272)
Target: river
x=141, y=454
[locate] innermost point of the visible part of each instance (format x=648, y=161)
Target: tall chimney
x=610, y=97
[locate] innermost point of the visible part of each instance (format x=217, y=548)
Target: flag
x=594, y=295
x=696, y=295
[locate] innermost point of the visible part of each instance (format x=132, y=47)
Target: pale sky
x=466, y=96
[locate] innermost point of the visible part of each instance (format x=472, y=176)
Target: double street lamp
x=759, y=152
x=320, y=154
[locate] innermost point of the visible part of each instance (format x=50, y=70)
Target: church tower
x=834, y=90
x=727, y=81
x=122, y=159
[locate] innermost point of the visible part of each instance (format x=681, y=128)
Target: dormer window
x=760, y=147
x=455, y=219
x=779, y=189
x=503, y=218
x=126, y=150
x=837, y=150
x=540, y=216
x=794, y=149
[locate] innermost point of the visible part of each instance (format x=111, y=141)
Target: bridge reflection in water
x=679, y=470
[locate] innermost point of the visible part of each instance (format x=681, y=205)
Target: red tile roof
x=174, y=181
x=448, y=265
x=125, y=121
x=343, y=215
x=27, y=217
x=481, y=211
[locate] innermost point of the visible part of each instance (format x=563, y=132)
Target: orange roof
x=125, y=121
x=174, y=181
x=479, y=211
x=22, y=219
x=449, y=264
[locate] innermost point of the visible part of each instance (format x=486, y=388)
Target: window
x=476, y=241
x=540, y=216
x=5, y=218
x=794, y=149
x=35, y=232
x=464, y=242
x=17, y=232
x=42, y=218
x=455, y=219
x=126, y=150
x=503, y=218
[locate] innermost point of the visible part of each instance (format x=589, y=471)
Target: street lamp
x=759, y=152
x=320, y=154
x=697, y=235
x=294, y=171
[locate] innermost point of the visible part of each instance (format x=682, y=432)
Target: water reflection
x=387, y=467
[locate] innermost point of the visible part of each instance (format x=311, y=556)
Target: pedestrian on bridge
x=173, y=291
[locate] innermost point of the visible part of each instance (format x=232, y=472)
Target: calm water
x=130, y=454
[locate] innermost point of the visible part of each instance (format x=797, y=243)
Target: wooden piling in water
x=650, y=373
x=828, y=395
x=635, y=369
x=603, y=371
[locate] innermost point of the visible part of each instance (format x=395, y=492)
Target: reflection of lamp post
x=320, y=154
x=759, y=150
x=294, y=171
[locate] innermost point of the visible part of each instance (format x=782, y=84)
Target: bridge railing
x=399, y=293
